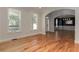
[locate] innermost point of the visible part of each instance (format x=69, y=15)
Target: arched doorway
x=61, y=23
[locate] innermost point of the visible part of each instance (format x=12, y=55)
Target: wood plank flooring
x=59, y=41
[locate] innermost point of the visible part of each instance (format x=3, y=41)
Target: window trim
x=35, y=15
x=19, y=20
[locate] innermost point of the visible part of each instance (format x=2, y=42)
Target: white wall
x=77, y=25
x=0, y=26
x=26, y=24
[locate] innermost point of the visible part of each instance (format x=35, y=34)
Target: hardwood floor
x=59, y=41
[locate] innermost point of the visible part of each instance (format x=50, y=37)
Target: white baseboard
x=8, y=39
x=43, y=33
x=1, y=41
x=76, y=41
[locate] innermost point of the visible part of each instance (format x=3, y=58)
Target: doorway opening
x=60, y=25
x=65, y=26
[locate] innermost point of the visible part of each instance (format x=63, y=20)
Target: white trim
x=43, y=33
x=76, y=41
x=12, y=11
x=8, y=39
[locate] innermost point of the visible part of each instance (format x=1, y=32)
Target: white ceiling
x=45, y=10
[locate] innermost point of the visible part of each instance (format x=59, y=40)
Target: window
x=35, y=21
x=69, y=22
x=14, y=17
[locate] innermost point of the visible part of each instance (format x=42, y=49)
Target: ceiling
x=65, y=16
